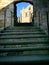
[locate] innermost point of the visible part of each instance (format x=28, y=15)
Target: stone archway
x=41, y=13
x=15, y=17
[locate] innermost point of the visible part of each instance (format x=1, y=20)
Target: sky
x=20, y=6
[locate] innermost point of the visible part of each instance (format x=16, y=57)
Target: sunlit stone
x=4, y=3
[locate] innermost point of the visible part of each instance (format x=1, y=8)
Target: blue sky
x=20, y=6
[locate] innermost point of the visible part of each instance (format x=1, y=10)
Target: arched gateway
x=26, y=13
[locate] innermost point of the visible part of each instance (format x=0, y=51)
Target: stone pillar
x=43, y=21
x=39, y=17
x=35, y=16
x=1, y=19
x=47, y=15
x=4, y=19
x=11, y=18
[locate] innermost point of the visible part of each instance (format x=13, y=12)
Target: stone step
x=21, y=33
x=23, y=36
x=23, y=30
x=24, y=49
x=24, y=42
x=24, y=53
x=24, y=59
x=23, y=39
x=23, y=27
x=23, y=45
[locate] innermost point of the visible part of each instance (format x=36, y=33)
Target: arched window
x=26, y=14
x=29, y=8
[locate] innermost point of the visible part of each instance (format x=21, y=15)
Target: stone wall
x=9, y=18
x=10, y=15
x=38, y=19
x=1, y=19
x=43, y=21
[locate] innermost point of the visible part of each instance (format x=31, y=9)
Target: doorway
x=23, y=13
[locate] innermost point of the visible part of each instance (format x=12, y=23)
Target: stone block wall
x=9, y=19
x=42, y=20
x=1, y=19
x=9, y=15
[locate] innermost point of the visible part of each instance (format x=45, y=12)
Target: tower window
x=26, y=14
x=29, y=8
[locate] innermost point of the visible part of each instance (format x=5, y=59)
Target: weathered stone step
x=24, y=49
x=23, y=27
x=24, y=59
x=24, y=53
x=21, y=33
x=23, y=45
x=24, y=39
x=23, y=30
x=23, y=42
x=23, y=36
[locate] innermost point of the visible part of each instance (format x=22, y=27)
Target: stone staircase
x=22, y=44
